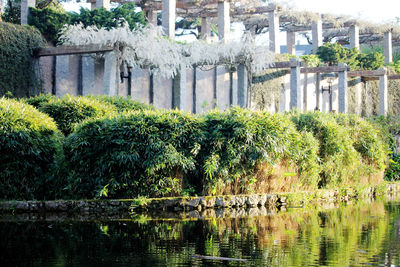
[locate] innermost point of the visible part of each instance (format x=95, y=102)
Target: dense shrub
x=133, y=154
x=29, y=145
x=70, y=110
x=339, y=146
x=366, y=140
x=393, y=171
x=242, y=148
x=50, y=20
x=17, y=46
x=123, y=103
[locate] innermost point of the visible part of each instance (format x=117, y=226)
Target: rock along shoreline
x=201, y=203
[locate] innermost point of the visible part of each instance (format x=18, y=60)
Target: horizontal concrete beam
x=72, y=50
x=366, y=73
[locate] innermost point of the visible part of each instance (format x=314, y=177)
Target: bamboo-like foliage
x=29, y=146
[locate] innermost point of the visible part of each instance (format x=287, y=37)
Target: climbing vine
x=17, y=45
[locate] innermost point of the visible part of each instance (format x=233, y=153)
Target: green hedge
x=29, y=146
x=50, y=20
x=70, y=110
x=350, y=147
x=134, y=154
x=17, y=45
x=118, y=148
x=239, y=142
x=122, y=103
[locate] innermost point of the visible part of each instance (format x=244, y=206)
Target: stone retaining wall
x=179, y=204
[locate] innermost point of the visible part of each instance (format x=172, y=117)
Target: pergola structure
x=258, y=17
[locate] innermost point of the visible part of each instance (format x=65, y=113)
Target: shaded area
x=363, y=233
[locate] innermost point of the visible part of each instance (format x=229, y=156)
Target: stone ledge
x=198, y=204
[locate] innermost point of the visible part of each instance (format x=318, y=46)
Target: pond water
x=360, y=234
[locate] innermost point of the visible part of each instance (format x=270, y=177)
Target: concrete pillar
x=354, y=37
x=168, y=17
x=343, y=89
x=152, y=17
x=88, y=75
x=273, y=29
x=206, y=29
x=296, y=94
x=103, y=3
x=291, y=43
x=25, y=5
x=358, y=88
x=242, y=85
x=223, y=87
x=92, y=5
x=316, y=29
x=383, y=93
x=387, y=47
x=2, y=6
x=111, y=74
x=179, y=89
x=224, y=20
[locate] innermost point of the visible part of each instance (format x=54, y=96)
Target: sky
x=379, y=11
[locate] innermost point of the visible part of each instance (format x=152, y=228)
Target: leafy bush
x=70, y=110
x=239, y=142
x=366, y=140
x=133, y=154
x=371, y=61
x=50, y=20
x=340, y=162
x=393, y=172
x=123, y=103
x=335, y=53
x=17, y=45
x=29, y=145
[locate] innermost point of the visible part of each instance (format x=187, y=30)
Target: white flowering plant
x=146, y=47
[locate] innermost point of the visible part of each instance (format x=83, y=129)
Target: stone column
x=242, y=85
x=296, y=94
x=103, y=3
x=273, y=29
x=93, y=5
x=179, y=89
x=205, y=29
x=224, y=20
x=291, y=43
x=25, y=5
x=316, y=29
x=111, y=75
x=2, y=6
x=152, y=17
x=387, y=47
x=383, y=93
x=343, y=89
x=354, y=37
x=168, y=17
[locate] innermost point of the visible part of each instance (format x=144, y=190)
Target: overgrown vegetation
x=29, y=147
x=17, y=45
x=333, y=53
x=68, y=110
x=115, y=148
x=50, y=21
x=141, y=153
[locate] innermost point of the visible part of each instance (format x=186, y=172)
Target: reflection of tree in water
x=353, y=235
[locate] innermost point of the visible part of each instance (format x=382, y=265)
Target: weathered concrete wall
x=206, y=88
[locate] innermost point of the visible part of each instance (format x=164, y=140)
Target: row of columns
x=296, y=96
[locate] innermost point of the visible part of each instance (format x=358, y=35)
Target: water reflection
x=356, y=235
